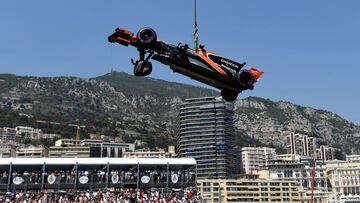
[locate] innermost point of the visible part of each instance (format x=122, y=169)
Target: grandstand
x=94, y=174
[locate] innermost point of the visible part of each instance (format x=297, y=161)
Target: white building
x=15, y=134
x=7, y=150
x=300, y=171
x=8, y=134
x=255, y=158
x=344, y=198
x=69, y=148
x=49, y=135
x=89, y=148
x=353, y=158
x=31, y=152
x=69, y=152
x=161, y=153
x=68, y=143
x=344, y=178
x=248, y=188
x=326, y=153
x=289, y=157
x=28, y=132
x=100, y=148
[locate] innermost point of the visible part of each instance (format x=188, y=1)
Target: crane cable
x=196, y=30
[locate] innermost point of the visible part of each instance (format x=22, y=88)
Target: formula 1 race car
x=199, y=64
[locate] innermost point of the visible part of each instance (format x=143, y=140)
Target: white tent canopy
x=97, y=161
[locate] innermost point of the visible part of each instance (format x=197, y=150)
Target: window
x=207, y=189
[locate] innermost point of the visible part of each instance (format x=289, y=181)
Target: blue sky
x=309, y=50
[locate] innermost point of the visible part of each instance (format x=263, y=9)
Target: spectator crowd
x=188, y=195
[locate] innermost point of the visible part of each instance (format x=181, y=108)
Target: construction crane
x=75, y=123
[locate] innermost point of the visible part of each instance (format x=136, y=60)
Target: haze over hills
x=144, y=108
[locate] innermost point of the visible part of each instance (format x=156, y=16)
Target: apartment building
x=69, y=152
x=28, y=132
x=206, y=132
x=31, y=152
x=248, y=188
x=289, y=157
x=256, y=158
x=301, y=172
x=329, y=153
x=100, y=148
x=160, y=153
x=67, y=142
x=8, y=134
x=7, y=150
x=301, y=144
x=353, y=158
x=344, y=178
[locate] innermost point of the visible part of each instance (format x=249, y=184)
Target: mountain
x=269, y=121
x=132, y=108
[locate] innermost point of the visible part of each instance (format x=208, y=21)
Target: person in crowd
x=188, y=195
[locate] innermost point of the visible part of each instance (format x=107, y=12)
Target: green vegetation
x=131, y=86
x=10, y=118
x=36, y=142
x=118, y=103
x=244, y=140
x=338, y=123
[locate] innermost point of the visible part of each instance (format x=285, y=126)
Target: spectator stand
x=94, y=174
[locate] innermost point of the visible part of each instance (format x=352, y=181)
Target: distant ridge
x=132, y=108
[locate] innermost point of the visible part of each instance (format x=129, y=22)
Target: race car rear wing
x=256, y=73
x=123, y=37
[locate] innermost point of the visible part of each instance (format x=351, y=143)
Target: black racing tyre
x=246, y=78
x=142, y=68
x=146, y=37
x=229, y=95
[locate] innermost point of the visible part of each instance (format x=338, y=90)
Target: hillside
x=132, y=108
x=270, y=121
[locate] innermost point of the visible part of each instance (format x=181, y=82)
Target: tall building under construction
x=206, y=132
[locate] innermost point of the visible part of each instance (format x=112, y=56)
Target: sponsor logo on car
x=229, y=63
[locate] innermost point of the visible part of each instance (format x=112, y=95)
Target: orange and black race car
x=200, y=64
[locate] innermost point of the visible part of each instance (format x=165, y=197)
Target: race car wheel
x=146, y=37
x=246, y=79
x=229, y=95
x=142, y=68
